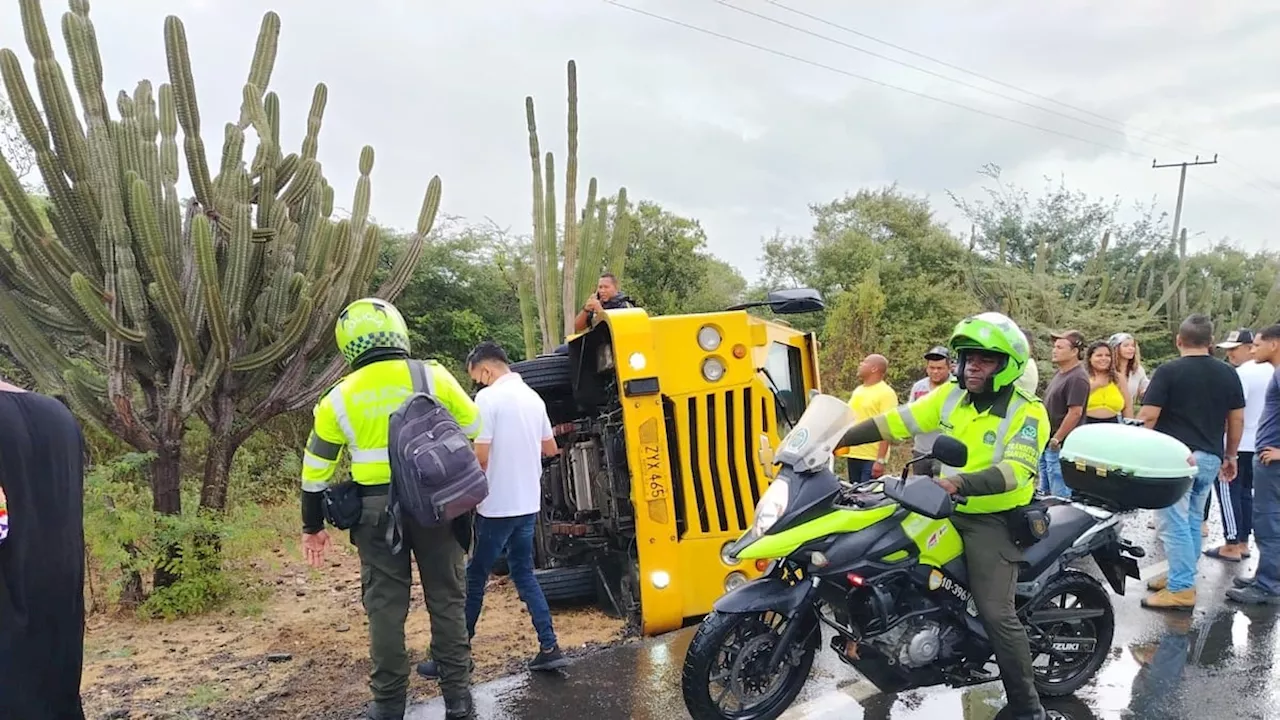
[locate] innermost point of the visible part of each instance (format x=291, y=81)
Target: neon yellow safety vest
x=356, y=414
x=1009, y=435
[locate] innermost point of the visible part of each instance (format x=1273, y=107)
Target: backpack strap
x=421, y=376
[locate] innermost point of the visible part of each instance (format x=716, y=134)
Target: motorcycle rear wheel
x=1068, y=591
x=741, y=641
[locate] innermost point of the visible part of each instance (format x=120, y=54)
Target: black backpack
x=435, y=475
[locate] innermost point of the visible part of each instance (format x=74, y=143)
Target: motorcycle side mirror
x=950, y=451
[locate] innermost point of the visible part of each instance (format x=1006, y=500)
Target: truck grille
x=712, y=443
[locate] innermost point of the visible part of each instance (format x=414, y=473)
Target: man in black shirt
x=1195, y=399
x=606, y=297
x=42, y=559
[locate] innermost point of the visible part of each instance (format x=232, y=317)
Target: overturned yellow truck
x=660, y=421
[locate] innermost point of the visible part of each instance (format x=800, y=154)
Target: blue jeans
x=1051, y=481
x=1179, y=524
x=1266, y=525
x=516, y=534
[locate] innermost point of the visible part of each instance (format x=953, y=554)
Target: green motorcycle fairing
x=936, y=542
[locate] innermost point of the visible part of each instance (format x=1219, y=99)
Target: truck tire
x=545, y=373
x=551, y=377
x=567, y=584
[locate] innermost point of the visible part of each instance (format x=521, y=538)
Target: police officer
x=1005, y=429
x=355, y=414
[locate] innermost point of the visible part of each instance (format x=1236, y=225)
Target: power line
x=926, y=71
x=1150, y=133
x=873, y=81
x=978, y=75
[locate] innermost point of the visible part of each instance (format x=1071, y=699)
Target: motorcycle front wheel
x=1068, y=648
x=724, y=674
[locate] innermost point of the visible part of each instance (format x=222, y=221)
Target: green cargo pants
x=992, y=561
x=385, y=580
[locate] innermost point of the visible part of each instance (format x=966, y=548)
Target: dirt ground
x=300, y=653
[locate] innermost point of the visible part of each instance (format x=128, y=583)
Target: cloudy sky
x=741, y=138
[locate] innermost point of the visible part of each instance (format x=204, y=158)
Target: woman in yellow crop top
x=1107, y=402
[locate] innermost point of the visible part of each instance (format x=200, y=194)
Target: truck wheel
x=551, y=378
x=545, y=373
x=567, y=584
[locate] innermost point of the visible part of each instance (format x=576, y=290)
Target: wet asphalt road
x=1215, y=663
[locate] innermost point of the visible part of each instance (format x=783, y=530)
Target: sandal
x=1217, y=554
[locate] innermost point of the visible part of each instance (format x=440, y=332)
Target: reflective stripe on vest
x=999, y=502
x=422, y=382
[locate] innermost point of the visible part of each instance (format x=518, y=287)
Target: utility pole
x=1180, y=241
x=1182, y=186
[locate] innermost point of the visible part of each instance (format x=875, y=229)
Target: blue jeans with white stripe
x=1179, y=524
x=1236, y=501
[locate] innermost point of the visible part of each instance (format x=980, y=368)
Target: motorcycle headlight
x=771, y=507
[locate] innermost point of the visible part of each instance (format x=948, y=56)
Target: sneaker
x=1156, y=584
x=1253, y=595
x=1242, y=582
x=1165, y=600
x=551, y=659
x=431, y=671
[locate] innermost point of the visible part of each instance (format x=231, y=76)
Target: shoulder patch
x=1028, y=431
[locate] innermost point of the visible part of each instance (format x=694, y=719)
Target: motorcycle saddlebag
x=1126, y=467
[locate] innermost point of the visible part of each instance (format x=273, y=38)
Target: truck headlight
x=712, y=369
x=708, y=338
x=771, y=507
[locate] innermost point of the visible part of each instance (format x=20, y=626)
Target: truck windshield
x=784, y=371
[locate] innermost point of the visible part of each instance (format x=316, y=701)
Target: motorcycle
x=882, y=567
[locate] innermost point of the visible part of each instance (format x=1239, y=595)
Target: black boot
x=460, y=708
x=384, y=711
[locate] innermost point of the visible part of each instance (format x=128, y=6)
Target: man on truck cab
x=606, y=297
x=355, y=413
x=1005, y=430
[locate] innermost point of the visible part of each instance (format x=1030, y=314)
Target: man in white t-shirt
x=515, y=435
x=1236, y=497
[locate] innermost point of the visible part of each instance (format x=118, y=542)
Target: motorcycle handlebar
x=959, y=499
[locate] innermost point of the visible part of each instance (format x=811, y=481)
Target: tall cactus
x=560, y=281
x=223, y=309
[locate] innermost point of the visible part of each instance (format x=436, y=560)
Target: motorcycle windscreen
x=812, y=441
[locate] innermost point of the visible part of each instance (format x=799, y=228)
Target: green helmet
x=993, y=332
x=370, y=324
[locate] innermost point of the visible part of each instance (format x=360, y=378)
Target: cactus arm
x=621, y=234
x=167, y=294
x=184, y=95
x=216, y=310
x=551, y=310
x=239, y=256
x=101, y=316
x=311, y=143
x=402, y=272
x=587, y=255
x=570, y=207
x=288, y=340
x=540, y=269
x=68, y=134
x=264, y=60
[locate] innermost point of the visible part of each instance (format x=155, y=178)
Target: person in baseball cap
x=938, y=352
x=1236, y=338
